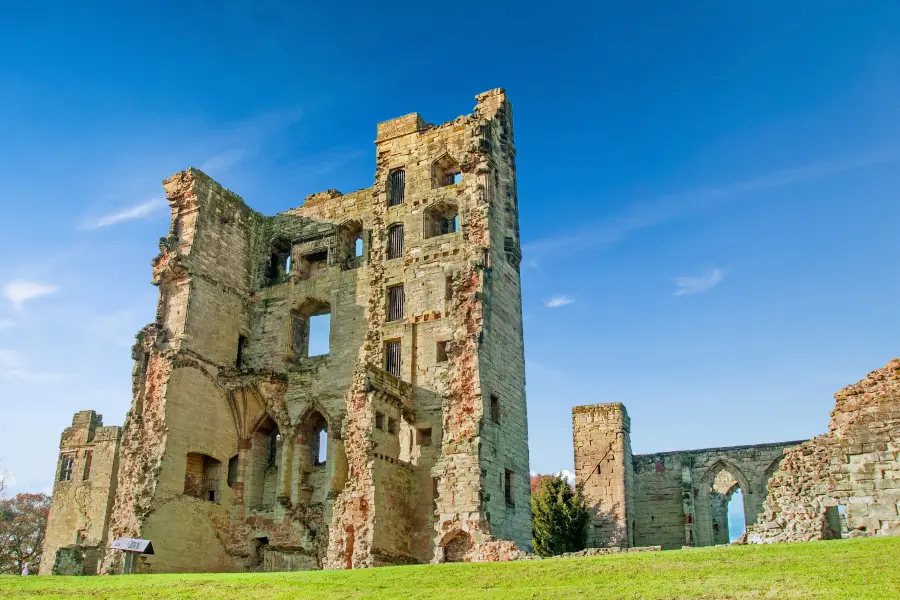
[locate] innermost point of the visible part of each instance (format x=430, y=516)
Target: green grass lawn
x=857, y=569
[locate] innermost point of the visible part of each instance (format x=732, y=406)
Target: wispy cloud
x=694, y=285
x=674, y=206
x=13, y=366
x=219, y=164
x=557, y=301
x=138, y=211
x=20, y=292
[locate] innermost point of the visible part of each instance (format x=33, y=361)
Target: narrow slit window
x=88, y=457
x=319, y=333
x=396, y=187
x=322, y=446
x=495, y=409
x=395, y=303
x=395, y=241
x=392, y=358
x=358, y=247
x=242, y=343
x=509, y=488
x=379, y=421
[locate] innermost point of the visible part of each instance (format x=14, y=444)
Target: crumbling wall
x=854, y=469
x=80, y=505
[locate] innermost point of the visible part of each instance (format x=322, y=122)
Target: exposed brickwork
x=221, y=454
x=847, y=482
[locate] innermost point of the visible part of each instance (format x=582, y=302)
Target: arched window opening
x=311, y=329
x=726, y=508
x=445, y=171
x=201, y=478
x=263, y=461
x=441, y=218
x=314, y=453
x=456, y=549
x=321, y=446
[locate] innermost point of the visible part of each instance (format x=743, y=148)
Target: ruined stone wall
x=81, y=505
x=681, y=498
x=223, y=467
x=851, y=474
x=668, y=499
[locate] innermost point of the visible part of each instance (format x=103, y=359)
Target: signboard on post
x=132, y=547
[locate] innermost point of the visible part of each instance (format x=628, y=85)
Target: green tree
x=560, y=516
x=23, y=520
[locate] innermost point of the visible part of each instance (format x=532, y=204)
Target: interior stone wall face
x=218, y=461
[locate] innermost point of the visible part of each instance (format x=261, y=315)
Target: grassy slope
x=857, y=569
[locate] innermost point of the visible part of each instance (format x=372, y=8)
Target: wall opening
x=424, y=435
x=509, y=487
x=441, y=352
x=395, y=241
x=67, y=461
x=495, y=409
x=835, y=522
x=396, y=301
x=88, y=457
x=261, y=472
x=392, y=357
x=233, y=470
x=379, y=421
x=201, y=477
x=445, y=171
x=278, y=267
x=396, y=187
x=312, y=265
x=241, y=345
x=456, y=549
x=726, y=503
x=311, y=329
x=441, y=218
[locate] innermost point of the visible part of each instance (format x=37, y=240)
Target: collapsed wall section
x=845, y=483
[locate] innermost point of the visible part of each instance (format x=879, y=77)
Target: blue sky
x=708, y=191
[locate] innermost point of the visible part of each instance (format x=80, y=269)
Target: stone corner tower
x=603, y=468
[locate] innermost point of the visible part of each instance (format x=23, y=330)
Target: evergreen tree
x=560, y=517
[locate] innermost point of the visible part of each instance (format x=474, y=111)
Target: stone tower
x=603, y=468
x=83, y=492
x=340, y=385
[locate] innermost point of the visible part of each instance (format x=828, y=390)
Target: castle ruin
x=842, y=484
x=254, y=444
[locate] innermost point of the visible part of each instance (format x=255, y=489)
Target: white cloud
x=138, y=211
x=20, y=292
x=567, y=475
x=670, y=207
x=694, y=285
x=557, y=301
x=219, y=164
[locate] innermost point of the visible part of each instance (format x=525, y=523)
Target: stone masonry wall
x=242, y=451
x=851, y=474
x=81, y=504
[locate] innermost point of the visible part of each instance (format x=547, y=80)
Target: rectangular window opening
x=392, y=425
x=509, y=487
x=65, y=470
x=319, y=334
x=392, y=357
x=395, y=303
x=424, y=435
x=396, y=187
x=395, y=241
x=312, y=265
x=495, y=409
x=448, y=287
x=379, y=421
x=441, y=355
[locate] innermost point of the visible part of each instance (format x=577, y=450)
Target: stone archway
x=457, y=546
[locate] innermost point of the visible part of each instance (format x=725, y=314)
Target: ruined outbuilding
x=251, y=444
x=842, y=484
